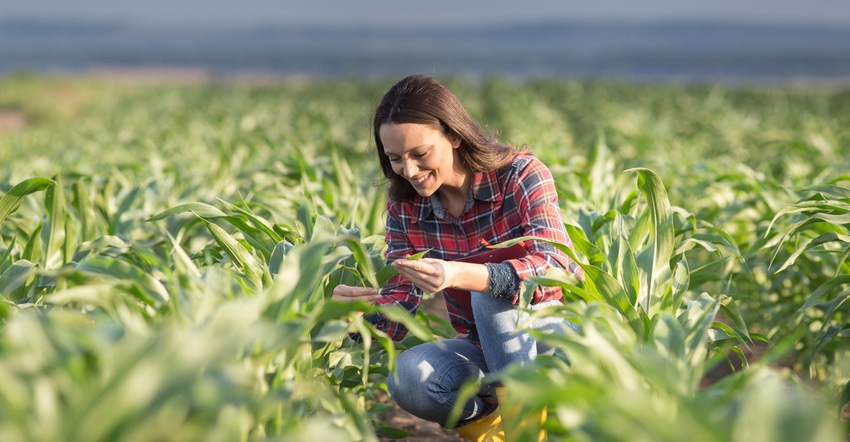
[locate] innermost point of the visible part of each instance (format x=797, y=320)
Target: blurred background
x=650, y=40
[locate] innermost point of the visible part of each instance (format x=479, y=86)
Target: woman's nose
x=410, y=168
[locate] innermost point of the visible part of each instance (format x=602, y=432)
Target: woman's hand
x=347, y=293
x=429, y=274
x=435, y=275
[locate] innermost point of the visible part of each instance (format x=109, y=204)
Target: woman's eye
x=420, y=155
x=394, y=159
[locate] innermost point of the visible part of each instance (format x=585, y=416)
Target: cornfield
x=168, y=251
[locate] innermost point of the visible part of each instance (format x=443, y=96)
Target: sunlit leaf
x=13, y=198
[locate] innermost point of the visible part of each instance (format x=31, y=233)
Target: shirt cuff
x=504, y=281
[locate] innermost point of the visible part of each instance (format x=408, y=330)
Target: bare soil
x=419, y=430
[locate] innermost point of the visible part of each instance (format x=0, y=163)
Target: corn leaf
x=13, y=198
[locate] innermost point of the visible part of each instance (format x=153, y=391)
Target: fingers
x=424, y=266
x=427, y=274
x=345, y=293
x=413, y=271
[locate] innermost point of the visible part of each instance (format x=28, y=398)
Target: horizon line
x=26, y=19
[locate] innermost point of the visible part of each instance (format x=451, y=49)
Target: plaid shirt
x=519, y=200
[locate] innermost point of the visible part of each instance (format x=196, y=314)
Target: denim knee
x=428, y=377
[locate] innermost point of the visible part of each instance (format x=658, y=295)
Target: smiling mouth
x=419, y=181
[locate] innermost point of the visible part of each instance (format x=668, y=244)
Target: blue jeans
x=428, y=376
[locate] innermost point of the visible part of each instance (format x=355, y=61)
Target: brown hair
x=421, y=99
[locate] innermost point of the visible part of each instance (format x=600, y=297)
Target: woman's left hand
x=429, y=274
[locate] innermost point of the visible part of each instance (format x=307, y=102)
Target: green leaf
x=117, y=223
x=15, y=196
x=418, y=256
x=100, y=245
x=299, y=277
x=384, y=275
x=808, y=244
x=626, y=267
x=364, y=261
x=305, y=219
x=730, y=309
x=257, y=221
x=32, y=249
x=661, y=230
x=681, y=282
x=614, y=294
x=582, y=245
x=85, y=211
x=54, y=231
x=202, y=210
x=696, y=320
x=397, y=314
x=569, y=283
x=323, y=228
x=151, y=290
x=16, y=276
x=258, y=238
x=823, y=291
x=830, y=190
x=391, y=433
x=238, y=253
x=278, y=254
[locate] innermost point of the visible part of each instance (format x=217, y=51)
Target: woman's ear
x=455, y=139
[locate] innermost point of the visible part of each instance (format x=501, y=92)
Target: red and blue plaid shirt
x=518, y=200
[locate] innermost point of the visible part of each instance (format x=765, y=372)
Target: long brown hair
x=421, y=99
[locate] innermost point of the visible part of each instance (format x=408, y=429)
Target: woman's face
x=424, y=156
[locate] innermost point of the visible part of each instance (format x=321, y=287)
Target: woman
x=453, y=189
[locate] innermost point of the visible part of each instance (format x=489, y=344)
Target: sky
x=431, y=13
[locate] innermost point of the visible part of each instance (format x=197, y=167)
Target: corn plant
x=813, y=234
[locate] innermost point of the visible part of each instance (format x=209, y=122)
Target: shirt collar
x=485, y=187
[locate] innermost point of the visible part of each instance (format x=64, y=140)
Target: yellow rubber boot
x=514, y=424
x=484, y=429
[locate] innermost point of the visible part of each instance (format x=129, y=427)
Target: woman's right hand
x=347, y=293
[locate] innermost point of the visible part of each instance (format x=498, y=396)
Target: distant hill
x=696, y=51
